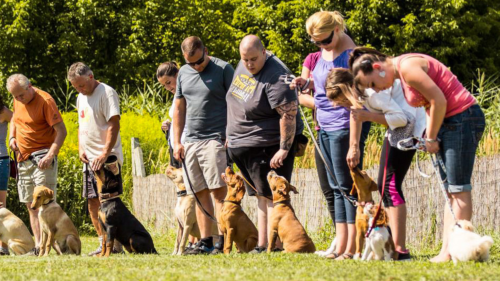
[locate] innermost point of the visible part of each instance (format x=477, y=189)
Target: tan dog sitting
x=56, y=227
x=363, y=186
x=185, y=211
x=234, y=223
x=14, y=233
x=284, y=223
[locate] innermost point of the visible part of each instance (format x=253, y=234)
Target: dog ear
x=241, y=190
x=282, y=190
x=49, y=193
x=293, y=188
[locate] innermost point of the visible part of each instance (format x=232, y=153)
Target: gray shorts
x=205, y=162
x=30, y=176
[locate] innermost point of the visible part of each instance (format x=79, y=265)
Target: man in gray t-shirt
x=263, y=123
x=200, y=105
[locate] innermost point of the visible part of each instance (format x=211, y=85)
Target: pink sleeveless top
x=457, y=97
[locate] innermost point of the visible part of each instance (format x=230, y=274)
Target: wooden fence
x=154, y=200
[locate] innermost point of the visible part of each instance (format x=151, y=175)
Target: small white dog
x=379, y=244
x=465, y=245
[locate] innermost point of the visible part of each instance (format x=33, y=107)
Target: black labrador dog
x=117, y=221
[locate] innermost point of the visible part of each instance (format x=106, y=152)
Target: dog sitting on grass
x=465, y=245
x=379, y=244
x=185, y=211
x=56, y=227
x=14, y=232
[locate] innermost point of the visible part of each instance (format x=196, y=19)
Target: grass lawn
x=275, y=266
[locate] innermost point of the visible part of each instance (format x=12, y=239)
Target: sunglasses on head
x=198, y=62
x=325, y=41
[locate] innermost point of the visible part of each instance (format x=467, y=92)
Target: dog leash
x=194, y=193
x=437, y=161
x=288, y=80
x=377, y=214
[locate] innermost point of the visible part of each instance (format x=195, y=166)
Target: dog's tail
x=482, y=248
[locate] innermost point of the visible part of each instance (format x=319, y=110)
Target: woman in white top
x=389, y=108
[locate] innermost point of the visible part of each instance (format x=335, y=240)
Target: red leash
x=381, y=195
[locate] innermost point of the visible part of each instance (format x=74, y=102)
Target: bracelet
x=11, y=138
x=431, y=140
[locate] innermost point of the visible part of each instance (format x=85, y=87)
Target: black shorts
x=254, y=164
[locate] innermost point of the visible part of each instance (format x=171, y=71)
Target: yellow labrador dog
x=14, y=233
x=56, y=227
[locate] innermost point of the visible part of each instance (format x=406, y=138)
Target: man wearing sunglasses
x=200, y=105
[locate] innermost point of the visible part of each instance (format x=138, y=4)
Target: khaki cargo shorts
x=30, y=176
x=205, y=162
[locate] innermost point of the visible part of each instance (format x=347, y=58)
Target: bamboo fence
x=154, y=199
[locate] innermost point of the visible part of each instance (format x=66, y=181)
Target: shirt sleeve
x=110, y=104
x=228, y=73
x=51, y=113
x=178, y=88
x=278, y=93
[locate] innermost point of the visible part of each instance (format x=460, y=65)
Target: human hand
x=298, y=82
x=179, y=152
x=83, y=157
x=278, y=158
x=360, y=115
x=46, y=161
x=432, y=147
x=165, y=125
x=353, y=157
x=98, y=162
x=13, y=144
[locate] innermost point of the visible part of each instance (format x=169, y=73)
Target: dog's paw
x=357, y=256
x=321, y=253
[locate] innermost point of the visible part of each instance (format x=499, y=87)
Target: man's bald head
x=250, y=42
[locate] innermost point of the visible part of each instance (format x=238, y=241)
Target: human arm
x=288, y=113
x=416, y=77
x=61, y=133
x=179, y=123
x=306, y=99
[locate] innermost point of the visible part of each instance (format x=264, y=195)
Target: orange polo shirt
x=34, y=123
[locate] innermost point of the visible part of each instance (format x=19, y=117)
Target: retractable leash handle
x=287, y=79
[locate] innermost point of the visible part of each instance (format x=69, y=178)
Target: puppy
x=56, y=227
x=284, y=223
x=234, y=223
x=379, y=245
x=363, y=186
x=185, y=211
x=14, y=233
x=117, y=221
x=465, y=245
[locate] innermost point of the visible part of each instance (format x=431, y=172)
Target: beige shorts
x=205, y=162
x=30, y=176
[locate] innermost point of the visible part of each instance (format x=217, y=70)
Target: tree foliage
x=124, y=40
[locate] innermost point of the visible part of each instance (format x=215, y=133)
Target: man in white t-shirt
x=98, y=134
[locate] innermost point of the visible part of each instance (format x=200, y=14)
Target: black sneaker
x=277, y=250
x=404, y=256
x=217, y=251
x=258, y=250
x=96, y=252
x=200, y=249
x=34, y=252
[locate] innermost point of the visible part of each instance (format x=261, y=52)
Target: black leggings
x=398, y=163
x=323, y=183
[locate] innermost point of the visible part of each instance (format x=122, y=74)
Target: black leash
x=194, y=193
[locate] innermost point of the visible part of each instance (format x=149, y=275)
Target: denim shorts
x=4, y=173
x=460, y=135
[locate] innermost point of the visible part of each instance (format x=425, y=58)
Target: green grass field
x=275, y=266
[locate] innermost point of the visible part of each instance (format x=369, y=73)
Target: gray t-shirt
x=205, y=94
x=251, y=101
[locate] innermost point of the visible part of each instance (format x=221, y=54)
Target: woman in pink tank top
x=455, y=122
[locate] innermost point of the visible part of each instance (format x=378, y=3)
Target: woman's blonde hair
x=324, y=22
x=339, y=83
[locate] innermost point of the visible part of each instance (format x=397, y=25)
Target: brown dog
x=234, y=223
x=185, y=211
x=284, y=223
x=363, y=185
x=56, y=227
x=14, y=232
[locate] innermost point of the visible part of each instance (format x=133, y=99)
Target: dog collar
x=181, y=193
x=49, y=202
x=234, y=202
x=283, y=202
x=103, y=197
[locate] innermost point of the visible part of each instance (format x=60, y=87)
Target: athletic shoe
x=97, y=251
x=200, y=249
x=34, y=252
x=404, y=256
x=258, y=250
x=217, y=251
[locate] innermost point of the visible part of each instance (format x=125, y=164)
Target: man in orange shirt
x=37, y=132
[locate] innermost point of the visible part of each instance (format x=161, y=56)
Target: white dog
x=330, y=250
x=379, y=244
x=465, y=245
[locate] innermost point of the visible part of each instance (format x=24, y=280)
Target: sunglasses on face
x=198, y=62
x=325, y=41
